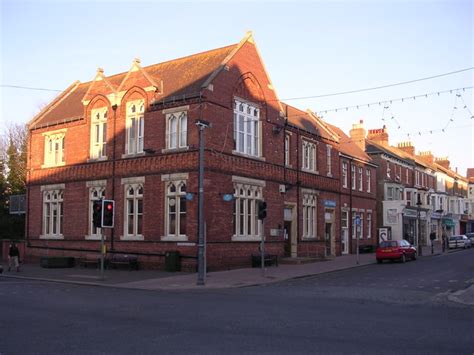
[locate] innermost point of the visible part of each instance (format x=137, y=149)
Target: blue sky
x=310, y=48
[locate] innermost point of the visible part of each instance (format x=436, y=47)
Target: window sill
x=173, y=238
x=247, y=238
x=47, y=166
x=132, y=237
x=93, y=237
x=52, y=236
x=133, y=155
x=329, y=174
x=315, y=172
x=174, y=150
x=308, y=238
x=91, y=160
x=235, y=152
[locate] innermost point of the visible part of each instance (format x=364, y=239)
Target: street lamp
x=201, y=243
x=418, y=237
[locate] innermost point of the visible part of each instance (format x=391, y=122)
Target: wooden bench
x=118, y=260
x=268, y=260
x=89, y=260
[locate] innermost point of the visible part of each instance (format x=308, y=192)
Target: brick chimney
x=427, y=157
x=407, y=147
x=379, y=135
x=357, y=134
x=443, y=161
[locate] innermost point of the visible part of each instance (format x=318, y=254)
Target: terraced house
x=132, y=138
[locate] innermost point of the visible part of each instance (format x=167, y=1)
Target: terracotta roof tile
x=348, y=147
x=183, y=76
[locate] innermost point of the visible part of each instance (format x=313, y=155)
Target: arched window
x=247, y=128
x=177, y=130
x=175, y=223
x=98, y=133
x=133, y=222
x=53, y=213
x=246, y=222
x=135, y=126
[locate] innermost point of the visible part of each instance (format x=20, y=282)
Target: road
x=388, y=308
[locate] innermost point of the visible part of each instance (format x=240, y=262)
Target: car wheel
x=379, y=261
x=414, y=256
x=403, y=258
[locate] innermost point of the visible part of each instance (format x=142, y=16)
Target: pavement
x=163, y=280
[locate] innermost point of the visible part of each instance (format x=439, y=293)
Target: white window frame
x=177, y=134
x=368, y=174
x=175, y=199
x=53, y=201
x=361, y=235
x=309, y=158
x=247, y=226
x=389, y=171
x=353, y=177
x=329, y=159
x=287, y=149
x=369, y=225
x=136, y=197
x=344, y=174
x=54, y=148
x=310, y=203
x=360, y=172
x=96, y=193
x=406, y=175
x=247, y=128
x=354, y=226
x=135, y=127
x=98, y=144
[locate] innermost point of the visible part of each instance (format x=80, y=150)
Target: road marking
x=453, y=281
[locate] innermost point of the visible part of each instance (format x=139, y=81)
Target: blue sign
x=357, y=221
x=329, y=203
x=189, y=196
x=227, y=197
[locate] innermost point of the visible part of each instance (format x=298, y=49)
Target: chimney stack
x=379, y=135
x=407, y=147
x=357, y=134
x=443, y=161
x=427, y=157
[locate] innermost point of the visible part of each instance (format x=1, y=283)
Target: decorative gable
x=137, y=76
x=99, y=86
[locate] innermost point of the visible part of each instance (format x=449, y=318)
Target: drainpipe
x=298, y=184
x=114, y=108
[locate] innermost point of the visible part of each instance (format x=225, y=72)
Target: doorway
x=289, y=228
x=327, y=238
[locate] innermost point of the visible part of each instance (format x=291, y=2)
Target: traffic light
x=97, y=214
x=262, y=209
x=108, y=209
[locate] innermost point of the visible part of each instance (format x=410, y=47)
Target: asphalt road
x=375, y=309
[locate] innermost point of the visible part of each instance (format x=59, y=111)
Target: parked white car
x=459, y=241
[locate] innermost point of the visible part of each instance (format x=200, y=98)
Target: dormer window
x=135, y=126
x=98, y=133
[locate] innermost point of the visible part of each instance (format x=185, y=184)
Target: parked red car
x=395, y=250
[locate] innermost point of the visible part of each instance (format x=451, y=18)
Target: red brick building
x=132, y=137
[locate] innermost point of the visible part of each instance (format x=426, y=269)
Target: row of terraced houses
x=132, y=137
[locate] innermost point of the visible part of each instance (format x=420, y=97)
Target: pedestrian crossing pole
x=102, y=254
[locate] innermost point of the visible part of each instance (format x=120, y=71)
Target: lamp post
x=418, y=235
x=201, y=243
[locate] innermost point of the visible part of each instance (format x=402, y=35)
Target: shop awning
x=448, y=222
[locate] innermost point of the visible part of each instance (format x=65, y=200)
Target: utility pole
x=201, y=242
